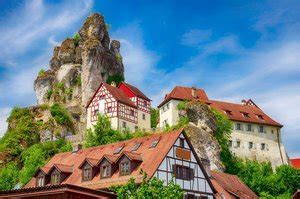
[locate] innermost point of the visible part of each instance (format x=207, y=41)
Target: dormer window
x=40, y=181
x=87, y=172
x=125, y=168
x=246, y=115
x=228, y=112
x=105, y=171
x=260, y=117
x=55, y=177
x=118, y=150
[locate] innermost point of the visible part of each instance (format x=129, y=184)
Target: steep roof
x=136, y=91
x=117, y=93
x=232, y=185
x=184, y=93
x=295, y=163
x=237, y=112
x=149, y=158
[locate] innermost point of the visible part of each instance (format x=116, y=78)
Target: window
x=136, y=146
x=124, y=168
x=95, y=112
x=132, y=112
x=249, y=127
x=154, y=143
x=183, y=172
x=181, y=142
x=246, y=115
x=144, y=116
x=105, y=171
x=109, y=109
x=230, y=143
x=124, y=125
x=261, y=129
x=165, y=122
x=145, y=103
x=55, y=179
x=102, y=97
x=190, y=196
x=238, y=144
x=228, y=112
x=136, y=128
x=250, y=145
x=238, y=126
x=260, y=117
x=272, y=131
x=40, y=181
x=118, y=150
x=87, y=173
x=263, y=146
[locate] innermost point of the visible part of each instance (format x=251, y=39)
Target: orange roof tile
x=237, y=110
x=62, y=168
x=184, y=93
x=232, y=184
x=151, y=159
x=295, y=163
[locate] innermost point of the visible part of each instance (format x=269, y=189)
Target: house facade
x=254, y=136
x=159, y=155
x=125, y=105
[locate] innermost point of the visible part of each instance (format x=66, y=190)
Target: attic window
x=246, y=115
x=260, y=117
x=228, y=112
x=102, y=97
x=55, y=178
x=136, y=146
x=154, y=143
x=145, y=103
x=40, y=181
x=118, y=150
x=87, y=173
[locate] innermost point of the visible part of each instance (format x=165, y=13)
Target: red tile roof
x=136, y=91
x=232, y=185
x=62, y=168
x=295, y=163
x=150, y=157
x=117, y=93
x=184, y=93
x=237, y=111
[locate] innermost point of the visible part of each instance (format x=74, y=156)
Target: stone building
x=255, y=135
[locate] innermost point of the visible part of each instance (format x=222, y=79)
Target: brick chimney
x=194, y=92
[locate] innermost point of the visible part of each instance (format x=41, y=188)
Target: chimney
x=76, y=148
x=194, y=92
x=206, y=165
x=244, y=102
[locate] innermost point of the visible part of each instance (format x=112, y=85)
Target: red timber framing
x=112, y=108
x=143, y=105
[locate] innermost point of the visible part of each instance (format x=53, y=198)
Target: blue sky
x=233, y=49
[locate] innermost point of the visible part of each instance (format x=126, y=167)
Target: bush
x=61, y=115
x=9, y=176
x=41, y=72
x=78, y=80
x=154, y=117
x=76, y=39
x=49, y=94
x=115, y=78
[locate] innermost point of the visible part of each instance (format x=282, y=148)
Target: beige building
x=125, y=105
x=254, y=136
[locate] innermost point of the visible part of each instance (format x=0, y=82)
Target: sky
x=233, y=49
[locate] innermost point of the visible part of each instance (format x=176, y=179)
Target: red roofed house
x=295, y=163
x=126, y=106
x=159, y=155
x=255, y=135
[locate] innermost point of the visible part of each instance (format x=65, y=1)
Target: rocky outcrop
x=78, y=66
x=200, y=131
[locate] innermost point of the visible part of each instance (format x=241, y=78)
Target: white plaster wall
x=144, y=124
x=129, y=125
x=171, y=113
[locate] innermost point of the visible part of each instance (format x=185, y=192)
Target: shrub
x=9, y=176
x=61, y=115
x=76, y=39
x=115, y=78
x=41, y=72
x=78, y=80
x=49, y=94
x=154, y=117
x=119, y=57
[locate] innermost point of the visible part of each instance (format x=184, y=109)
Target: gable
x=127, y=90
x=186, y=157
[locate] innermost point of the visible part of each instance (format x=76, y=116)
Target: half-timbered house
x=126, y=106
x=166, y=156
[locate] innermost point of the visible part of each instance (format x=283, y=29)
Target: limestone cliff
x=200, y=131
x=77, y=67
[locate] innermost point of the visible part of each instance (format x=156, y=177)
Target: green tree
x=154, y=117
x=9, y=176
x=115, y=78
x=61, y=115
x=103, y=133
x=149, y=188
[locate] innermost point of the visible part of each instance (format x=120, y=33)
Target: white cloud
x=195, y=37
x=4, y=112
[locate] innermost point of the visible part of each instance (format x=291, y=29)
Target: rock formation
x=77, y=67
x=200, y=131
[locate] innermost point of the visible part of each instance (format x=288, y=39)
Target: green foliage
x=41, y=72
x=182, y=105
x=183, y=120
x=60, y=85
x=9, y=176
x=49, y=94
x=154, y=117
x=78, y=80
x=60, y=114
x=115, y=78
x=68, y=91
x=149, y=188
x=119, y=57
x=76, y=39
x=103, y=133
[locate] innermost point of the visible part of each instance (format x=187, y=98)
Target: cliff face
x=77, y=67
